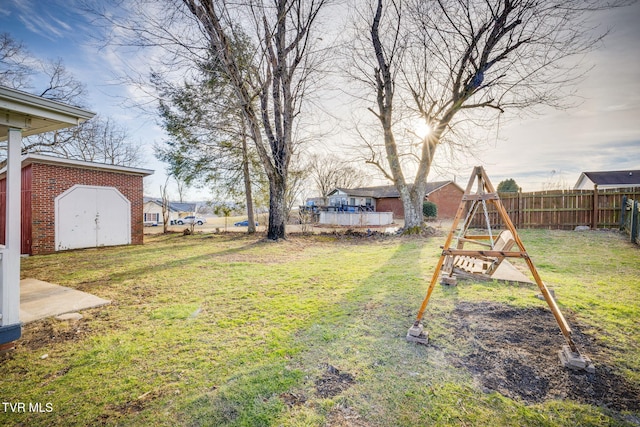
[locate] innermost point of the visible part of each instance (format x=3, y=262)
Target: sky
x=542, y=151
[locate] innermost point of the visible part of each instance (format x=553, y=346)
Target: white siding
x=359, y=219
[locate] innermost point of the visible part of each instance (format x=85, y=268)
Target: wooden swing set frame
x=489, y=259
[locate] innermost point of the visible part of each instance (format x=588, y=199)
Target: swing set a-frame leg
x=416, y=332
x=569, y=355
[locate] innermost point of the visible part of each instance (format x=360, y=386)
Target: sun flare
x=422, y=129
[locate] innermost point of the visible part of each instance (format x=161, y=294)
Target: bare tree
x=97, y=140
x=15, y=67
x=182, y=186
x=453, y=63
x=62, y=85
x=165, y=205
x=278, y=78
x=329, y=172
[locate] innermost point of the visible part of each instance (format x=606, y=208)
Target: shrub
x=429, y=209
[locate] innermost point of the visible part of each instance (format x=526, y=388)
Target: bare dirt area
x=333, y=382
x=514, y=351
x=45, y=332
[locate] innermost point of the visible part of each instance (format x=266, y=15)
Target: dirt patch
x=344, y=416
x=514, y=351
x=45, y=332
x=293, y=399
x=333, y=382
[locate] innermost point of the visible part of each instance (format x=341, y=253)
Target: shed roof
x=61, y=161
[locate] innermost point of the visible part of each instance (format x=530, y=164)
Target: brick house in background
x=69, y=204
x=386, y=198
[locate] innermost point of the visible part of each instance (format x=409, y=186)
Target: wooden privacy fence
x=561, y=209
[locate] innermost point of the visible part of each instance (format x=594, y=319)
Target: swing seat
x=482, y=265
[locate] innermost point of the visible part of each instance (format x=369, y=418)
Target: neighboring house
x=70, y=204
x=153, y=211
x=445, y=194
x=608, y=179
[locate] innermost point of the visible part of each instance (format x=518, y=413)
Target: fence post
x=594, y=216
x=519, y=207
x=623, y=210
x=634, y=222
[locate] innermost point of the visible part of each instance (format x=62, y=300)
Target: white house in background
x=22, y=114
x=153, y=211
x=608, y=179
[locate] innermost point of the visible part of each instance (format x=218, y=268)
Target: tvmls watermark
x=24, y=407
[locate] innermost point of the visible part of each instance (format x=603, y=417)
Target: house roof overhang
x=33, y=114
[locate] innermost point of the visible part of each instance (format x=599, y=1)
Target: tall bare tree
x=452, y=63
x=99, y=140
x=278, y=78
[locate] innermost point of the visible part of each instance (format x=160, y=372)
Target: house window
x=151, y=217
x=352, y=201
x=369, y=201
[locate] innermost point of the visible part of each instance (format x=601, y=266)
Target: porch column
x=10, y=326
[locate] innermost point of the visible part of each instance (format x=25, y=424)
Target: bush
x=429, y=210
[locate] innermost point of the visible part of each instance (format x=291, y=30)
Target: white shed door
x=91, y=216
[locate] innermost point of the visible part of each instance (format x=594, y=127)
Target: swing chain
x=486, y=218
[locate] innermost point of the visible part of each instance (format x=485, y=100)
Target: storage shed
x=72, y=204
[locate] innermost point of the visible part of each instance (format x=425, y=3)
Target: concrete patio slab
x=39, y=300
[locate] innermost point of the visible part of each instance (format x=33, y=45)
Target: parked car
x=190, y=220
x=244, y=223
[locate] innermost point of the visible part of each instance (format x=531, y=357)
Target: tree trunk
x=165, y=206
x=277, y=209
x=413, y=215
x=247, y=183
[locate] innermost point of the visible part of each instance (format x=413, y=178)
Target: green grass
x=219, y=330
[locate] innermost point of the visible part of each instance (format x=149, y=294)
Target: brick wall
x=390, y=205
x=447, y=199
x=49, y=181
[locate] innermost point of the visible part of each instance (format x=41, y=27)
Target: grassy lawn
x=228, y=330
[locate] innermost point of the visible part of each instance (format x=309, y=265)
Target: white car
x=191, y=220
